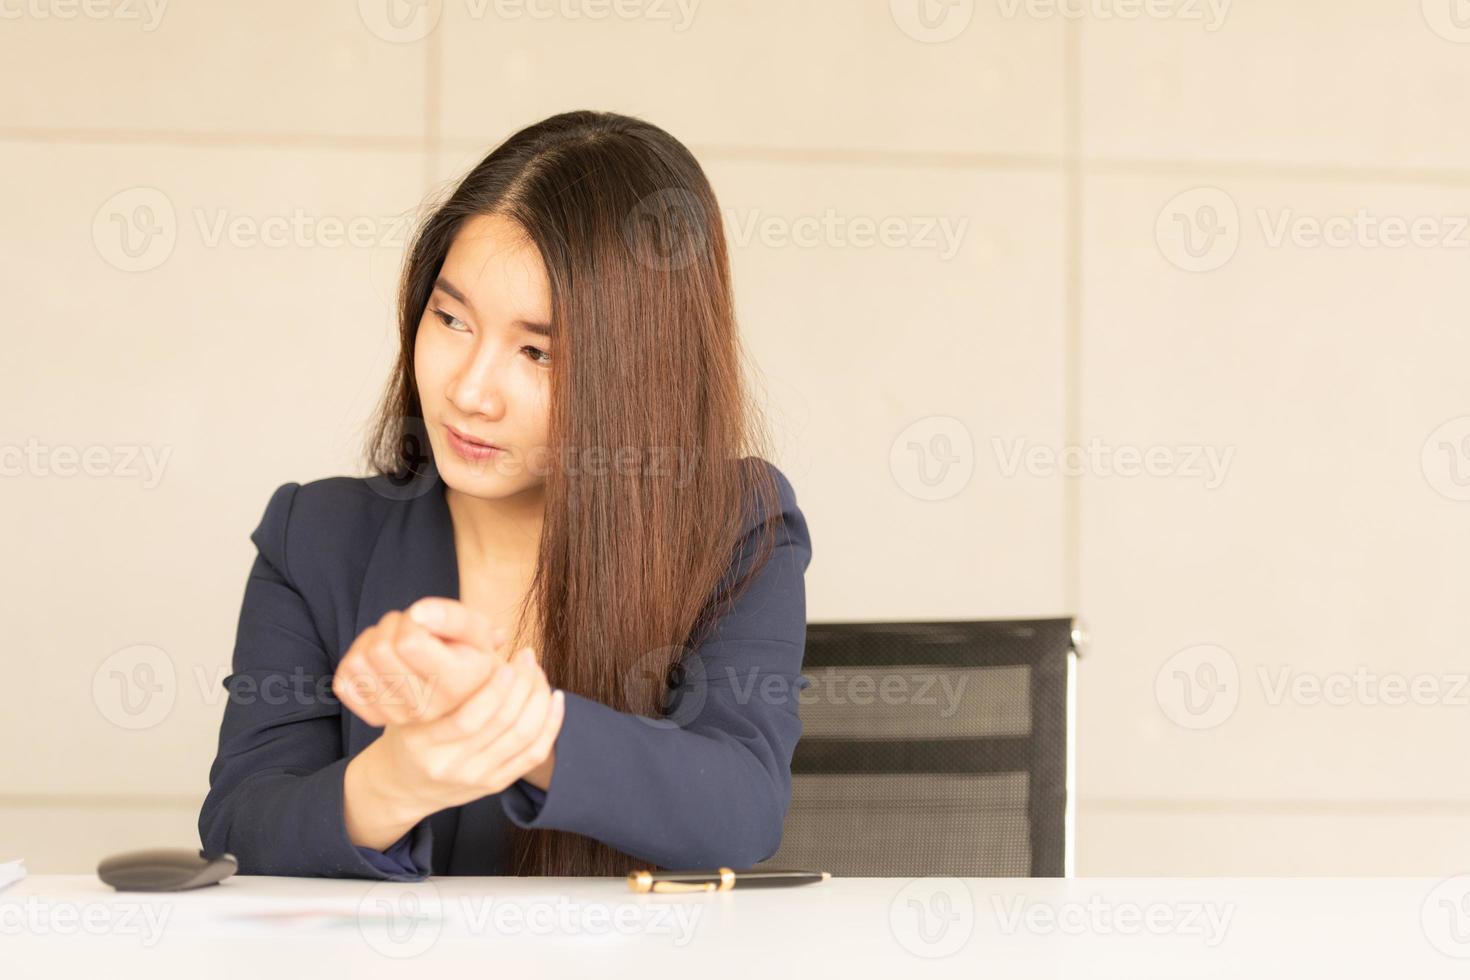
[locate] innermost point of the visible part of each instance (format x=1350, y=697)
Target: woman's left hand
x=505, y=731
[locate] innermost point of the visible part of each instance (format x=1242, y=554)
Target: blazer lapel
x=413, y=557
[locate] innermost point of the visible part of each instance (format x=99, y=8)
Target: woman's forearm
x=376, y=813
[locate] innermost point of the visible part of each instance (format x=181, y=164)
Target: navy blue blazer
x=335, y=554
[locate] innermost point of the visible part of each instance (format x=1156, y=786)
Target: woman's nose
x=477, y=387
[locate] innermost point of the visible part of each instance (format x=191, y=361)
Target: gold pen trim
x=642, y=881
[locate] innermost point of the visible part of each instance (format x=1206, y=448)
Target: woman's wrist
x=377, y=811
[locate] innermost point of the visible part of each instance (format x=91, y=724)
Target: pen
x=719, y=880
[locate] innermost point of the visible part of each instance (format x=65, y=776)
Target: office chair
x=935, y=748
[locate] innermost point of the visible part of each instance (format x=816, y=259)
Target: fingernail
x=425, y=615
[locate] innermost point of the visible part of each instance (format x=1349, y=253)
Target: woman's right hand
x=397, y=672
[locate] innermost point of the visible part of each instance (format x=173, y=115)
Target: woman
x=560, y=630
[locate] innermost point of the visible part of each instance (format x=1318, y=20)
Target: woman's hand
x=503, y=731
x=400, y=671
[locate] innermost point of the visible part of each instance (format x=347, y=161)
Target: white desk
x=63, y=926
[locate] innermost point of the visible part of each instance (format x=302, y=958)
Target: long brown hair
x=649, y=405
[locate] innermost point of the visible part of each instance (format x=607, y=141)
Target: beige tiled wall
x=178, y=190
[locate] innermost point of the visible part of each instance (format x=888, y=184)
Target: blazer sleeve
x=275, y=787
x=709, y=785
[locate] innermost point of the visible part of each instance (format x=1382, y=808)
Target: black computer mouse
x=165, y=869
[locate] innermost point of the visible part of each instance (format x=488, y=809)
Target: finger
x=490, y=710
x=534, y=754
x=445, y=676
x=397, y=688
x=451, y=619
x=349, y=690
x=452, y=672
x=484, y=729
x=439, y=678
x=522, y=724
x=353, y=682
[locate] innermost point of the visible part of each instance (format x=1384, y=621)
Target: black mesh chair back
x=936, y=748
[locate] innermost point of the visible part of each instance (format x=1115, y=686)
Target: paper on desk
x=11, y=872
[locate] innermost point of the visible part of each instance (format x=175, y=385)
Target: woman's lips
x=467, y=448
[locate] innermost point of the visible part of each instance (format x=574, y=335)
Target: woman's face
x=482, y=360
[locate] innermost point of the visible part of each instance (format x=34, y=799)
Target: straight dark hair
x=633, y=558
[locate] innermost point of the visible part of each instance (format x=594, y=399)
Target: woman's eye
x=538, y=355
x=449, y=320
